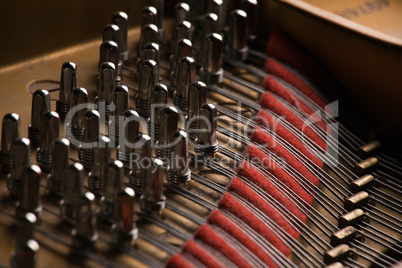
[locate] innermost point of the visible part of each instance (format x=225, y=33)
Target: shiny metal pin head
x=121, y=20
x=209, y=27
x=183, y=31
x=148, y=78
x=91, y=137
x=185, y=76
x=197, y=98
x=24, y=255
x=112, y=33
x=56, y=178
x=152, y=199
x=29, y=200
x=251, y=9
x=25, y=228
x=139, y=160
x=149, y=34
x=106, y=83
x=182, y=49
x=68, y=81
x=121, y=104
x=40, y=105
x=10, y=132
x=179, y=171
x=100, y=160
x=149, y=14
x=113, y=186
x=182, y=12
x=151, y=52
x=237, y=48
x=169, y=117
x=159, y=5
x=108, y=52
x=49, y=134
x=159, y=101
x=76, y=118
x=207, y=143
x=131, y=129
x=211, y=72
x=216, y=7
x=20, y=153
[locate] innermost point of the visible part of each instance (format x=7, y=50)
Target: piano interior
x=210, y=133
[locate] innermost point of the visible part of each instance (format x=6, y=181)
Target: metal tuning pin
x=113, y=186
x=169, y=117
x=56, y=178
x=10, y=132
x=216, y=7
x=159, y=101
x=29, y=200
x=139, y=160
x=237, y=46
x=112, y=33
x=206, y=143
x=121, y=103
x=40, y=105
x=149, y=14
x=121, y=20
x=68, y=81
x=127, y=140
x=182, y=12
x=49, y=134
x=125, y=229
x=106, y=83
x=251, y=8
x=151, y=52
x=76, y=118
x=209, y=26
x=85, y=233
x=197, y=12
x=24, y=255
x=179, y=171
x=159, y=5
x=212, y=72
x=91, y=137
x=183, y=31
x=25, y=231
x=182, y=49
x=148, y=78
x=109, y=52
x=100, y=160
x=149, y=34
x=152, y=200
x=185, y=76
x=73, y=190
x=20, y=153
x=197, y=98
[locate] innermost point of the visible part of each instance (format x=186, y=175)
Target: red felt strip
x=268, y=101
x=283, y=49
x=268, y=121
x=244, y=191
x=246, y=170
x=178, y=261
x=266, y=162
x=259, y=136
x=218, y=219
x=229, y=203
x=206, y=234
x=199, y=252
x=269, y=83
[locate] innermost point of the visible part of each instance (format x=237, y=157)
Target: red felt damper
x=238, y=187
x=218, y=219
x=260, y=136
x=201, y=254
x=246, y=170
x=206, y=234
x=279, y=70
x=255, y=155
x=269, y=83
x=268, y=121
x=268, y=101
x=229, y=203
x=283, y=49
x=178, y=261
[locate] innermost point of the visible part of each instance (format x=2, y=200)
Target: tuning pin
x=131, y=129
x=251, y=9
x=24, y=255
x=185, y=76
x=121, y=20
x=112, y=33
x=73, y=189
x=100, y=160
x=85, y=233
x=182, y=12
x=76, y=118
x=197, y=98
x=139, y=160
x=10, y=132
x=209, y=27
x=40, y=105
x=148, y=78
x=159, y=101
x=216, y=7
x=183, y=49
x=20, y=153
x=106, y=83
x=49, y=134
x=179, y=171
x=151, y=52
x=109, y=52
x=29, y=198
x=121, y=103
x=159, y=5
x=113, y=186
x=149, y=14
x=237, y=48
x=68, y=81
x=25, y=228
x=211, y=72
x=91, y=136
x=125, y=229
x=197, y=11
x=169, y=117
x=149, y=34
x=207, y=143
x=183, y=31
x=56, y=178
x=152, y=199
